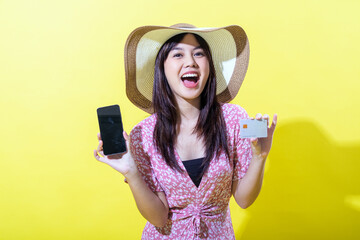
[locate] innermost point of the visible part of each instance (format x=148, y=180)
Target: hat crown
x=182, y=25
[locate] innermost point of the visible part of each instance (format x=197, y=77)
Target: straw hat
x=229, y=48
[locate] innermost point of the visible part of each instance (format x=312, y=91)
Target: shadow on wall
x=311, y=188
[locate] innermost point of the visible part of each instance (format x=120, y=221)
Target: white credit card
x=253, y=128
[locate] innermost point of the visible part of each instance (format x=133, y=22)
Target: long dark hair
x=210, y=125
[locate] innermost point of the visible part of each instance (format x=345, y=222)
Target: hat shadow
x=311, y=188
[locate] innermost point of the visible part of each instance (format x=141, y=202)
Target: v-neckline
x=204, y=177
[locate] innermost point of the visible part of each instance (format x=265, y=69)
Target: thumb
x=254, y=141
x=127, y=139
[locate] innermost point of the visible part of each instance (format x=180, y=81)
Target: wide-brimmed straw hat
x=229, y=48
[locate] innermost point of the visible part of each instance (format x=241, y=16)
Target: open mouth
x=190, y=79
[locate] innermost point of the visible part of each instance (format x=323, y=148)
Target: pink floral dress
x=194, y=212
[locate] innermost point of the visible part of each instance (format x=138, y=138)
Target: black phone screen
x=111, y=129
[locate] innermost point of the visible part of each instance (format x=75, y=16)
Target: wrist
x=259, y=158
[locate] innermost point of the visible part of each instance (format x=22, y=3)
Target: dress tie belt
x=196, y=219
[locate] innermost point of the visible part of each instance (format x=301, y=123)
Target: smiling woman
x=187, y=55
x=187, y=159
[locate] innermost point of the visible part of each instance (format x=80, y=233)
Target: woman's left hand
x=261, y=146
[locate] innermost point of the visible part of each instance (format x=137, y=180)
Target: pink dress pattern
x=194, y=212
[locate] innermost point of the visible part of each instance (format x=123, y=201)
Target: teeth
x=190, y=75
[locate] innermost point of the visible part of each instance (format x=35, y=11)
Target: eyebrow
x=179, y=48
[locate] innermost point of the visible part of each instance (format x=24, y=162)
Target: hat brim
x=229, y=48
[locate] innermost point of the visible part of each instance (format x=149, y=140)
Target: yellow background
x=60, y=60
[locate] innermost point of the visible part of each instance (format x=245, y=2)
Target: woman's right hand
x=122, y=162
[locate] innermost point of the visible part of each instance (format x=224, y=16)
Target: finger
x=258, y=116
x=100, y=146
x=97, y=157
x=266, y=117
x=101, y=153
x=99, y=136
x=100, y=158
x=274, y=122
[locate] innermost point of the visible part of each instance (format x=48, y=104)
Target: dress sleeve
x=137, y=143
x=242, y=151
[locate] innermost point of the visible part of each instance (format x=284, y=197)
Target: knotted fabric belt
x=197, y=218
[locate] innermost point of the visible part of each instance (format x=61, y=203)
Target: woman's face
x=187, y=69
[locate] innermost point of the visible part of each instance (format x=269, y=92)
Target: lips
x=190, y=79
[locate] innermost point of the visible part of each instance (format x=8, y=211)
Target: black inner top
x=194, y=169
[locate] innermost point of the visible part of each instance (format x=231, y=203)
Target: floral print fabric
x=194, y=212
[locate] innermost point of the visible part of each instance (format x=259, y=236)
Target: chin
x=191, y=97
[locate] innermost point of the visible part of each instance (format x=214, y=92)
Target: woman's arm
x=153, y=206
x=246, y=190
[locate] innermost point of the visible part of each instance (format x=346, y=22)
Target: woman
x=187, y=159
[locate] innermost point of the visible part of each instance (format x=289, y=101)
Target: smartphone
x=111, y=129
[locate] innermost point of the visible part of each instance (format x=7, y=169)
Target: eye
x=176, y=54
x=199, y=54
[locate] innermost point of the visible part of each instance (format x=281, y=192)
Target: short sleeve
x=243, y=152
x=137, y=144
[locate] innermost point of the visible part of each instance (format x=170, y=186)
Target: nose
x=190, y=61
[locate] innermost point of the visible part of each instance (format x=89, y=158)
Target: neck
x=188, y=110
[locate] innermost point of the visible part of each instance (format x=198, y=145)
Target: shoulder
x=143, y=131
x=233, y=112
